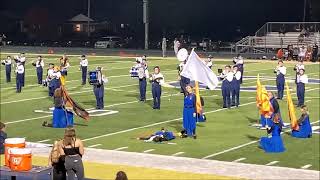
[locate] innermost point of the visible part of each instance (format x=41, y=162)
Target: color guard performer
x=305, y=129
x=238, y=61
x=275, y=110
x=281, y=71
x=236, y=86
x=302, y=79
x=39, y=64
x=226, y=76
x=157, y=80
x=7, y=63
x=19, y=76
x=98, y=89
x=64, y=65
x=84, y=68
x=189, y=112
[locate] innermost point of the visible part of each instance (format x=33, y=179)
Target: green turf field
x=225, y=128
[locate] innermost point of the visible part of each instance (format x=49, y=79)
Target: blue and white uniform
x=239, y=63
x=98, y=90
x=157, y=80
x=301, y=81
x=236, y=88
x=39, y=68
x=305, y=129
x=143, y=75
x=22, y=60
x=84, y=69
x=8, y=63
x=19, y=77
x=55, y=82
x=227, y=78
x=281, y=72
x=298, y=67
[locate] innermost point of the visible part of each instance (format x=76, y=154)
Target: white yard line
x=272, y=163
x=149, y=150
x=306, y=166
x=95, y=145
x=120, y=148
x=240, y=159
x=42, y=141
x=177, y=154
x=154, y=124
x=30, y=119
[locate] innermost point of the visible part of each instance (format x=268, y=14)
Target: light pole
x=304, y=10
x=146, y=23
x=88, y=18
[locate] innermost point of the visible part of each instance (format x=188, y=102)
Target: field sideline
x=226, y=136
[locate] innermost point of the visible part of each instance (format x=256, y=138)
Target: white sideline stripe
x=308, y=101
x=240, y=146
x=272, y=163
x=111, y=105
x=30, y=119
x=154, y=124
x=42, y=141
x=149, y=150
x=95, y=145
x=306, y=166
x=240, y=159
x=177, y=154
x=120, y=148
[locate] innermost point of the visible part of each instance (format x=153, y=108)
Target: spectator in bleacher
x=72, y=148
x=282, y=30
x=3, y=136
x=290, y=52
x=280, y=54
x=315, y=53
x=308, y=54
x=57, y=162
x=121, y=176
x=295, y=54
x=302, y=53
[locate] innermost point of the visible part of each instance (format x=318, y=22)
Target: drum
x=12, y=143
x=20, y=159
x=93, y=77
x=134, y=72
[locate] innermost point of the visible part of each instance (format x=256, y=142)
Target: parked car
x=108, y=42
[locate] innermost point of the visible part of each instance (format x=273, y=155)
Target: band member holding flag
x=305, y=130
x=157, y=80
x=281, y=71
x=263, y=103
x=189, y=112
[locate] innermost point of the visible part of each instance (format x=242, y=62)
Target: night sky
x=217, y=19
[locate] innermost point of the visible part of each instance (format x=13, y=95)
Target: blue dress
x=273, y=144
x=189, y=122
x=305, y=130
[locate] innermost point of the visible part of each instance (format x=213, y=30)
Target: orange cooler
x=12, y=143
x=20, y=159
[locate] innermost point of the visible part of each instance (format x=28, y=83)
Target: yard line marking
x=154, y=124
x=306, y=166
x=272, y=163
x=177, y=154
x=240, y=159
x=149, y=150
x=42, y=141
x=308, y=101
x=95, y=145
x=228, y=150
x=30, y=119
x=121, y=148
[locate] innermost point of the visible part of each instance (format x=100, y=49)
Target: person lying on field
x=163, y=135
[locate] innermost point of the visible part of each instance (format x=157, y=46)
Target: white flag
x=195, y=69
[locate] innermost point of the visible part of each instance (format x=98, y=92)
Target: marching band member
x=64, y=65
x=142, y=76
x=297, y=68
x=7, y=64
x=39, y=67
x=189, y=112
x=19, y=77
x=55, y=82
x=183, y=80
x=84, y=68
x=238, y=61
x=305, y=129
x=273, y=144
x=227, y=77
x=98, y=89
x=164, y=47
x=48, y=78
x=302, y=79
x=209, y=62
x=157, y=80
x=236, y=86
x=22, y=59
x=281, y=71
